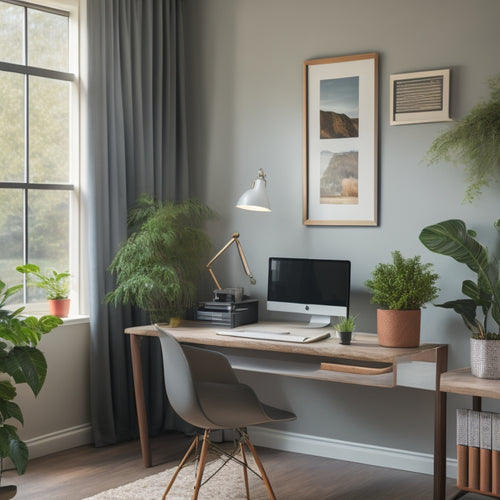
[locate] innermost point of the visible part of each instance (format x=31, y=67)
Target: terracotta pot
x=59, y=307
x=485, y=358
x=398, y=328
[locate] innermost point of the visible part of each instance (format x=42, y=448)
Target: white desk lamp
x=254, y=199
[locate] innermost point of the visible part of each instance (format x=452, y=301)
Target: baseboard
x=59, y=441
x=348, y=451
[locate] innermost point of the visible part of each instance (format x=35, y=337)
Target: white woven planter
x=485, y=358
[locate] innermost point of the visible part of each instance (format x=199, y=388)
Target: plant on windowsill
x=345, y=327
x=475, y=142
x=160, y=264
x=55, y=284
x=452, y=238
x=20, y=362
x=401, y=289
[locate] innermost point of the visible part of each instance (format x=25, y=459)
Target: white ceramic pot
x=485, y=358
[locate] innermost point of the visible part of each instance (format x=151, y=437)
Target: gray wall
x=245, y=105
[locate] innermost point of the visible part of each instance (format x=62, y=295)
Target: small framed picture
x=421, y=97
x=340, y=141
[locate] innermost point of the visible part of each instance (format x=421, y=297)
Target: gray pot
x=485, y=358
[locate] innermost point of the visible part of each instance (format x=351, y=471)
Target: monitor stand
x=318, y=321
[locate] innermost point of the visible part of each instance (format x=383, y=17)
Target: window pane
x=48, y=130
x=11, y=127
x=48, y=233
x=11, y=33
x=11, y=237
x=47, y=40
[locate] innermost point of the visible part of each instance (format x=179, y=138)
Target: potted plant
x=401, y=289
x=452, y=238
x=20, y=362
x=158, y=266
x=474, y=142
x=345, y=327
x=55, y=284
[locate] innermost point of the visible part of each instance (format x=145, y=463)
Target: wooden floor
x=84, y=471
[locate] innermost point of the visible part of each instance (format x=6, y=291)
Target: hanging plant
x=474, y=142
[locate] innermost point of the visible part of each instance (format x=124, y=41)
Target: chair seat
x=230, y=406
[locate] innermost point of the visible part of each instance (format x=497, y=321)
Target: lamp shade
x=256, y=197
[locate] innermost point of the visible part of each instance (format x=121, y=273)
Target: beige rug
x=227, y=484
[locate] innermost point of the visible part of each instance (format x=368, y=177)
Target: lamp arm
x=234, y=239
x=244, y=262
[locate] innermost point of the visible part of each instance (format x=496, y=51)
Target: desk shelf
x=462, y=381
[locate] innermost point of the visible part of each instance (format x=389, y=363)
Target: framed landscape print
x=340, y=141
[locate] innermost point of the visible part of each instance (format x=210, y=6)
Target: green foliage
x=452, y=238
x=346, y=324
x=406, y=284
x=158, y=267
x=474, y=142
x=24, y=363
x=55, y=284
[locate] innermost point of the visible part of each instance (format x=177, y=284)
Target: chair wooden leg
x=201, y=465
x=193, y=446
x=269, y=488
x=245, y=471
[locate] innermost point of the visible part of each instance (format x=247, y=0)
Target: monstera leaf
x=452, y=238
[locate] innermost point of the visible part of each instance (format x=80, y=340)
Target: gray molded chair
x=203, y=389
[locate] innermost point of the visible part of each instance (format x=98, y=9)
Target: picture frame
x=420, y=97
x=340, y=134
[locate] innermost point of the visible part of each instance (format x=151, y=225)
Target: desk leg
x=440, y=427
x=140, y=404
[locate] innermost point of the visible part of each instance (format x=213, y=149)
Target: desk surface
x=461, y=381
x=365, y=346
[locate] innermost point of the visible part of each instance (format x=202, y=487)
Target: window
x=39, y=130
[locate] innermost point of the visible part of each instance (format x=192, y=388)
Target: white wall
x=245, y=97
x=59, y=418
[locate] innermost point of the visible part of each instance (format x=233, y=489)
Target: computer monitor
x=318, y=287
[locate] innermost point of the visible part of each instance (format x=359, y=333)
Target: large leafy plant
x=452, y=238
x=23, y=362
x=475, y=142
x=159, y=265
x=404, y=284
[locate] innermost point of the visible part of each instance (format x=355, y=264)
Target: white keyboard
x=280, y=336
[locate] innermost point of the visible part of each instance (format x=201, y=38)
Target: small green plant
x=55, y=284
x=475, y=142
x=346, y=324
x=23, y=362
x=404, y=284
x=159, y=265
x=452, y=238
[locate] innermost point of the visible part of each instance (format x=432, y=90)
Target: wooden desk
x=419, y=367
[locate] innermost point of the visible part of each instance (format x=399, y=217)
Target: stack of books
x=478, y=451
x=228, y=314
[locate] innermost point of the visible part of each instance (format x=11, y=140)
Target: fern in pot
x=160, y=264
x=401, y=289
x=454, y=239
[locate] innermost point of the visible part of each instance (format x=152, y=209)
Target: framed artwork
x=340, y=141
x=421, y=97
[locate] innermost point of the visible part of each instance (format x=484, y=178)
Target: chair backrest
x=179, y=383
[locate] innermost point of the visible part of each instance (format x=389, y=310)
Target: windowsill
x=37, y=311
x=76, y=319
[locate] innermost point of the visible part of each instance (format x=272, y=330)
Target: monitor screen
x=317, y=287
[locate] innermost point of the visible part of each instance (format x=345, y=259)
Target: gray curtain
x=137, y=137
